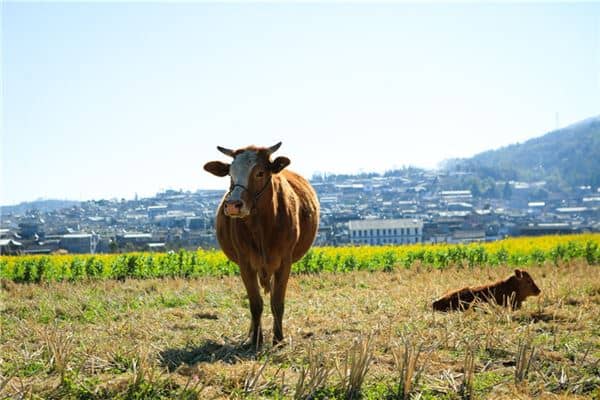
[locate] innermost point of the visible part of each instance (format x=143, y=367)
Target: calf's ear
x=518, y=273
x=278, y=164
x=217, y=168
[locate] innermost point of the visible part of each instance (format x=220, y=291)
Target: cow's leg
x=256, y=305
x=278, y=299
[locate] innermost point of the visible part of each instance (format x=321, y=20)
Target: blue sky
x=111, y=99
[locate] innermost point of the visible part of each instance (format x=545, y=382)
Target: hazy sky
x=108, y=100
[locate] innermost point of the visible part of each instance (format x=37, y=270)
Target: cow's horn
x=225, y=151
x=274, y=148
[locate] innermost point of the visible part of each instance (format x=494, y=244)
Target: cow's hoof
x=253, y=343
x=250, y=347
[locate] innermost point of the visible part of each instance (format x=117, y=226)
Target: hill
x=567, y=157
x=39, y=205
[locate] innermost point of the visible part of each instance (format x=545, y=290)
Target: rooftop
x=77, y=235
x=536, y=204
x=136, y=235
x=6, y=242
x=455, y=193
x=384, y=223
x=571, y=209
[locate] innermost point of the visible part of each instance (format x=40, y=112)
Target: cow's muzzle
x=235, y=208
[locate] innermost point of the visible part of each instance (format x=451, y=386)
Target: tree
x=475, y=190
x=489, y=188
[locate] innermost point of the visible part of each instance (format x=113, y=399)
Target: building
x=156, y=246
x=538, y=229
x=195, y=223
x=79, y=242
x=385, y=231
x=32, y=228
x=174, y=219
x=134, y=240
x=10, y=247
x=468, y=236
x=154, y=211
x=454, y=196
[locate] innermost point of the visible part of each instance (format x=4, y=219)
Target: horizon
x=310, y=177
x=105, y=101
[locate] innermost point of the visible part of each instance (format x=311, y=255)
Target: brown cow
x=510, y=291
x=266, y=221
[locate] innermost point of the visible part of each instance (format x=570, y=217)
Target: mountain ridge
x=566, y=157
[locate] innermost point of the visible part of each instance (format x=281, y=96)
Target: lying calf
x=510, y=291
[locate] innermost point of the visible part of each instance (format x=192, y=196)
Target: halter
x=256, y=195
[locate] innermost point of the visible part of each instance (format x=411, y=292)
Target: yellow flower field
x=511, y=251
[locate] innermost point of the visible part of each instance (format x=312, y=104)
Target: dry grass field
x=369, y=335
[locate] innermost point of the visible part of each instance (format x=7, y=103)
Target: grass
x=369, y=335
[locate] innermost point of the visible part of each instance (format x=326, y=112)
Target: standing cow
x=266, y=221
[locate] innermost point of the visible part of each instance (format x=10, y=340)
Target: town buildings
x=399, y=207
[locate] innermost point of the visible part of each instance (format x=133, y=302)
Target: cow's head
x=250, y=172
x=527, y=286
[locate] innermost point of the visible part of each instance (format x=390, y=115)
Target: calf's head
x=527, y=286
x=250, y=173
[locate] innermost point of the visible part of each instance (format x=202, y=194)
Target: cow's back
x=499, y=292
x=456, y=300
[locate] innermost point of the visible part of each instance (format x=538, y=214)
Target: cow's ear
x=217, y=168
x=518, y=273
x=278, y=164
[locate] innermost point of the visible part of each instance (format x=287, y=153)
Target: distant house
x=135, y=240
x=536, y=207
x=572, y=210
x=454, y=196
x=460, y=206
x=154, y=211
x=10, y=247
x=385, y=231
x=468, y=236
x=174, y=218
x=539, y=229
x=591, y=200
x=156, y=247
x=195, y=223
x=79, y=242
x=31, y=228
x=536, y=204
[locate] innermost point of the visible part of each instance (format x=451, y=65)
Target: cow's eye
x=260, y=174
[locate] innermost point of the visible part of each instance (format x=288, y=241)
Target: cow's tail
x=265, y=281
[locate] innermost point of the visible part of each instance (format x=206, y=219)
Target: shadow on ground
x=536, y=317
x=230, y=352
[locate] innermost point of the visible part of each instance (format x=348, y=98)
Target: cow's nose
x=235, y=204
x=233, y=207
